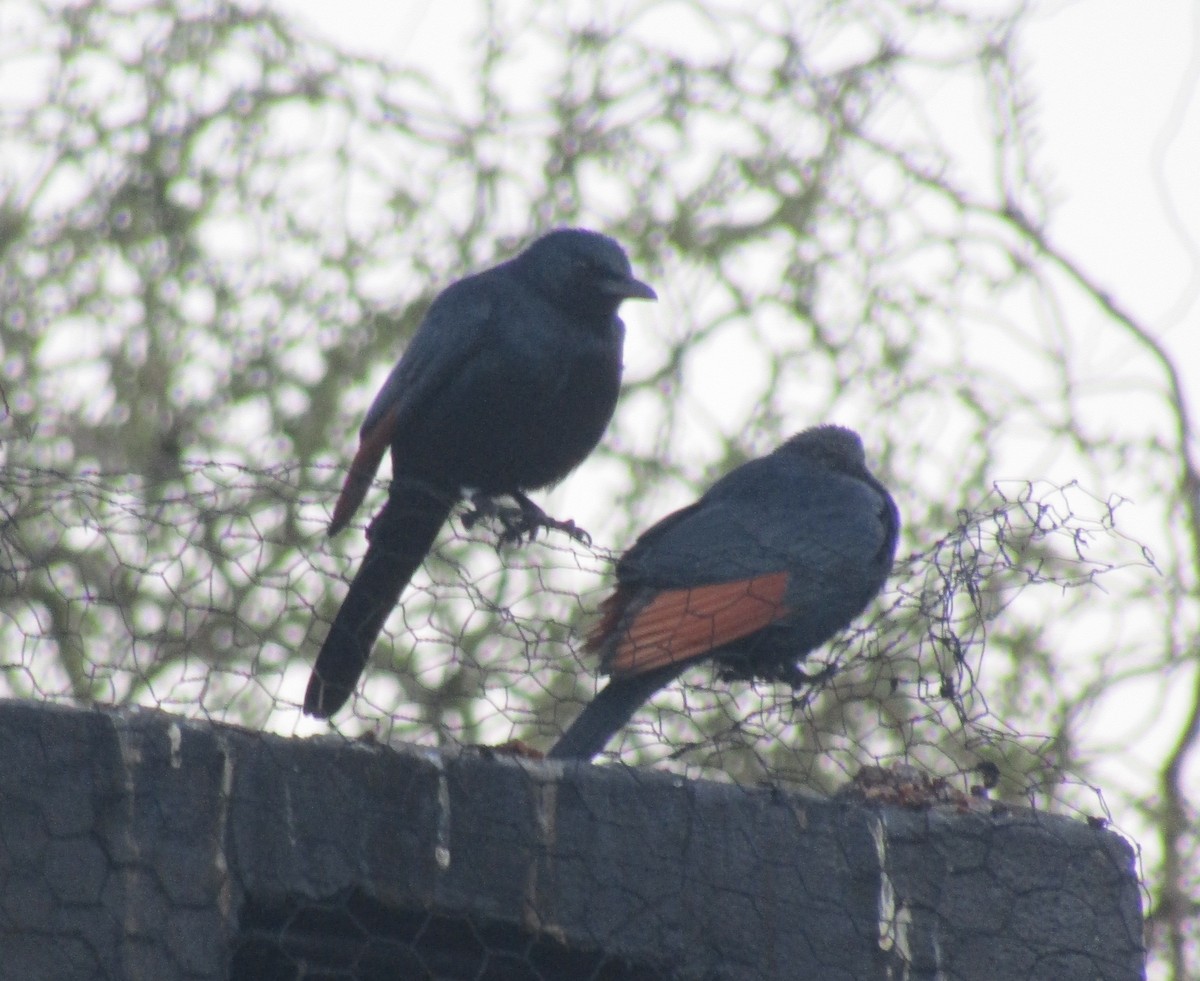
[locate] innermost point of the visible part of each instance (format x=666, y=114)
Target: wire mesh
x=209, y=599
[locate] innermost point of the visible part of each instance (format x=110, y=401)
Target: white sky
x=1118, y=88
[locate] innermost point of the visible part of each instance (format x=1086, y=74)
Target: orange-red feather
x=373, y=443
x=680, y=625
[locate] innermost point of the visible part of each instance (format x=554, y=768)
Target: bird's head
x=577, y=268
x=836, y=447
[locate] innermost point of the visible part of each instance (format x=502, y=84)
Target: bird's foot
x=534, y=519
x=487, y=508
x=524, y=520
x=797, y=677
x=788, y=673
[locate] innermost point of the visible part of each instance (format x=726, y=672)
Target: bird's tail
x=608, y=712
x=401, y=536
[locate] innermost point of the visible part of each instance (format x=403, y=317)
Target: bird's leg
x=788, y=673
x=797, y=677
x=524, y=520
x=483, y=506
x=514, y=522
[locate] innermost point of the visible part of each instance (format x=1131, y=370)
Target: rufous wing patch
x=680, y=625
x=372, y=445
x=612, y=611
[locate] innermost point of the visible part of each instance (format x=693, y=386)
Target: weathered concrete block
x=140, y=845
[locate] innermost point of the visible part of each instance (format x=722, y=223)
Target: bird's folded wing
x=447, y=340
x=373, y=444
x=679, y=625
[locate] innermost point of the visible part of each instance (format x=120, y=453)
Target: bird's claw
x=524, y=520
x=568, y=528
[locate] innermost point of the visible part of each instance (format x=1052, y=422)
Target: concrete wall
x=140, y=845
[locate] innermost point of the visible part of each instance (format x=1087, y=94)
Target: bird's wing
x=771, y=540
x=680, y=625
x=679, y=591
x=372, y=444
x=446, y=340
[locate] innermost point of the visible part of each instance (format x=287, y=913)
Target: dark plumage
x=778, y=556
x=507, y=385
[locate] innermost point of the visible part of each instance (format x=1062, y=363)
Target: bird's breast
x=520, y=417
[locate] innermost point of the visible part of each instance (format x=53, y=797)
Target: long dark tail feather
x=401, y=536
x=611, y=709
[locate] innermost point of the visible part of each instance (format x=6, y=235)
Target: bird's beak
x=629, y=289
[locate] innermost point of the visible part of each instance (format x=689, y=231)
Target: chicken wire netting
x=209, y=598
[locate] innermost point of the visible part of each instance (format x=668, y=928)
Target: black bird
x=507, y=385
x=778, y=556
